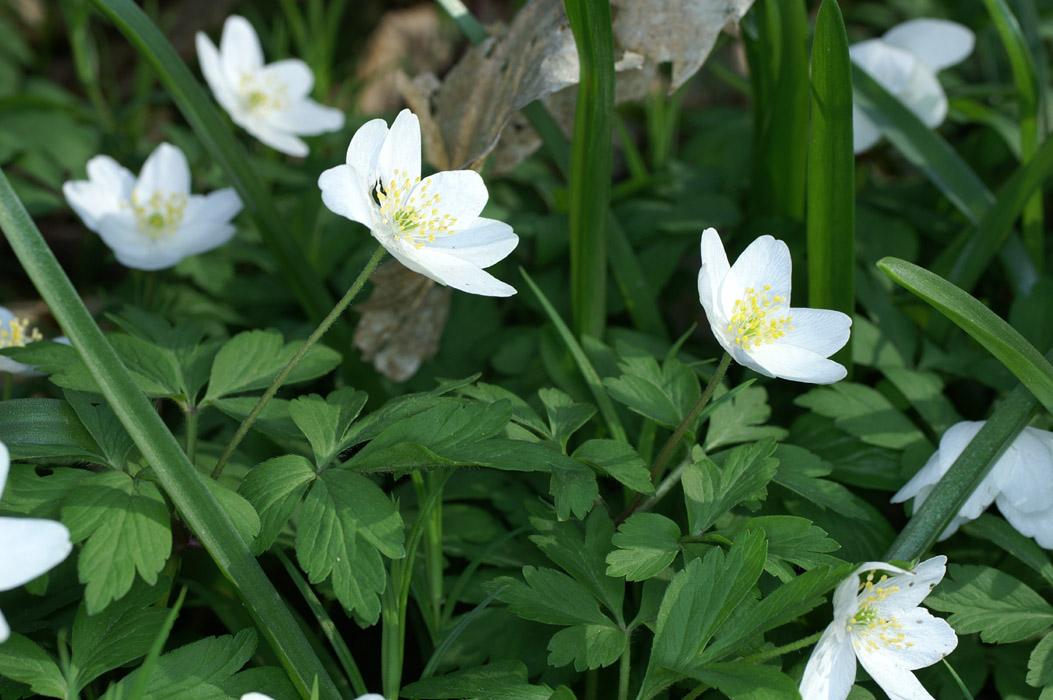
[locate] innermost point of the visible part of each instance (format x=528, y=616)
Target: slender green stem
x=623, y=671
x=328, y=321
x=464, y=19
x=390, y=628
x=674, y=439
x=660, y=491
x=423, y=486
x=784, y=649
x=192, y=418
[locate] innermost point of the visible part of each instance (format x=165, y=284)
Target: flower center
x=868, y=625
x=416, y=218
x=263, y=96
x=752, y=319
x=17, y=333
x=160, y=215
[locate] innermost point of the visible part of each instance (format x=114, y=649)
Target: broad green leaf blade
x=864, y=412
x=792, y=541
x=741, y=418
x=800, y=472
x=646, y=544
x=831, y=172
x=987, y=328
x=250, y=360
x=664, y=394
x=587, y=646
x=551, y=597
x=737, y=679
x=325, y=421
x=22, y=660
x=711, y=491
x=991, y=602
x=503, y=680
x=275, y=488
x=618, y=460
x=1000, y=533
x=564, y=416
x=638, y=295
x=34, y=428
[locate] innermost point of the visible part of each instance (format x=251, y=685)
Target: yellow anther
x=17, y=333
x=161, y=214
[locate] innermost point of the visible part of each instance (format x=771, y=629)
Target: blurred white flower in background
x=28, y=546
x=432, y=226
x=269, y=101
x=880, y=623
x=748, y=307
x=905, y=61
x=1020, y=482
x=15, y=332
x=152, y=222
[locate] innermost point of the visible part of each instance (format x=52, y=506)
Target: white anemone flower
x=1020, y=482
x=905, y=61
x=15, y=332
x=28, y=546
x=748, y=307
x=269, y=101
x=152, y=222
x=432, y=226
x=880, y=624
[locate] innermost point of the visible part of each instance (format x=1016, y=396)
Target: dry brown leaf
x=402, y=321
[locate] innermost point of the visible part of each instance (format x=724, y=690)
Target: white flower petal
x=344, y=193
x=889, y=65
x=765, y=262
x=292, y=73
x=864, y=132
x=822, y=331
x=195, y=238
x=307, y=118
x=166, y=170
x=912, y=586
x=240, y=49
x=1028, y=472
x=5, y=456
x=926, y=476
x=711, y=275
x=897, y=682
x=483, y=243
x=5, y=630
x=212, y=69
x=107, y=186
x=401, y=150
x=923, y=95
x=796, y=364
x=363, y=152
x=831, y=669
x=217, y=207
x=451, y=271
x=276, y=138
x=29, y=547
x=256, y=696
x=133, y=249
x=462, y=194
x=1037, y=524
x=937, y=43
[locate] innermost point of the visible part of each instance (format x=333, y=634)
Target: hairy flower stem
x=674, y=439
x=328, y=321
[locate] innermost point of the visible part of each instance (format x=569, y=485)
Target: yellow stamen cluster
x=870, y=628
x=271, y=95
x=17, y=333
x=417, y=218
x=752, y=320
x=160, y=215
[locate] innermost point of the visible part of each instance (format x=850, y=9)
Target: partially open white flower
x=269, y=101
x=28, y=546
x=1021, y=481
x=152, y=222
x=905, y=61
x=748, y=307
x=432, y=226
x=880, y=623
x=15, y=332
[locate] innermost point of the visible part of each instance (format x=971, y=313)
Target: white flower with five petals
x=748, y=307
x=1020, y=482
x=880, y=624
x=28, y=546
x=269, y=101
x=432, y=226
x=905, y=61
x=152, y=222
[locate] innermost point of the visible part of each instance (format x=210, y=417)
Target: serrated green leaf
x=991, y=602
x=564, y=416
x=741, y=419
x=711, y=491
x=126, y=525
x=251, y=360
x=45, y=428
x=551, y=597
x=1000, y=533
x=587, y=646
x=647, y=543
x=59, y=361
x=864, y=412
x=22, y=660
x=799, y=471
x=325, y=421
x=239, y=510
x=618, y=460
x=504, y=680
x=275, y=488
x=104, y=426
x=664, y=394
x=1040, y=664
x=155, y=369
x=274, y=421
x=792, y=542
x=745, y=681
x=522, y=413
x=924, y=390
x=346, y=523
x=28, y=493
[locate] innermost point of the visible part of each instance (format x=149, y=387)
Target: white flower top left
x=152, y=222
x=270, y=101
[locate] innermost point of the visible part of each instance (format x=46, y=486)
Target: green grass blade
x=218, y=140
x=592, y=377
x=628, y=274
x=156, y=647
x=831, y=172
x=987, y=328
x=182, y=482
x=590, y=163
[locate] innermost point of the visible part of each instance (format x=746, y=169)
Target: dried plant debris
x=402, y=321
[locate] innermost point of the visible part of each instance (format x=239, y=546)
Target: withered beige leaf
x=402, y=320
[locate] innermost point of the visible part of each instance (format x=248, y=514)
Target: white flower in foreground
x=880, y=624
x=1021, y=481
x=432, y=226
x=28, y=546
x=152, y=222
x=15, y=332
x=269, y=101
x=905, y=61
x=748, y=307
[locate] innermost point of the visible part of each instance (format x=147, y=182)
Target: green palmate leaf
x=564, y=416
x=1040, y=665
x=250, y=361
x=325, y=422
x=618, y=460
x=1004, y=535
x=664, y=394
x=192, y=672
x=864, y=412
x=22, y=660
x=991, y=602
x=274, y=420
x=522, y=413
x=1001, y=340
x=647, y=543
x=745, y=681
x=116, y=636
x=800, y=471
x=45, y=428
x=587, y=646
x=347, y=522
x=741, y=419
x=924, y=391
x=29, y=493
x=551, y=597
x=105, y=427
x=446, y=423
x=126, y=525
x=155, y=369
x=697, y=602
x=504, y=680
x=710, y=491
x=239, y=510
x=792, y=542
x=275, y=488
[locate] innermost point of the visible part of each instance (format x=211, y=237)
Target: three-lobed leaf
x=325, y=422
x=646, y=544
x=274, y=488
x=710, y=491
